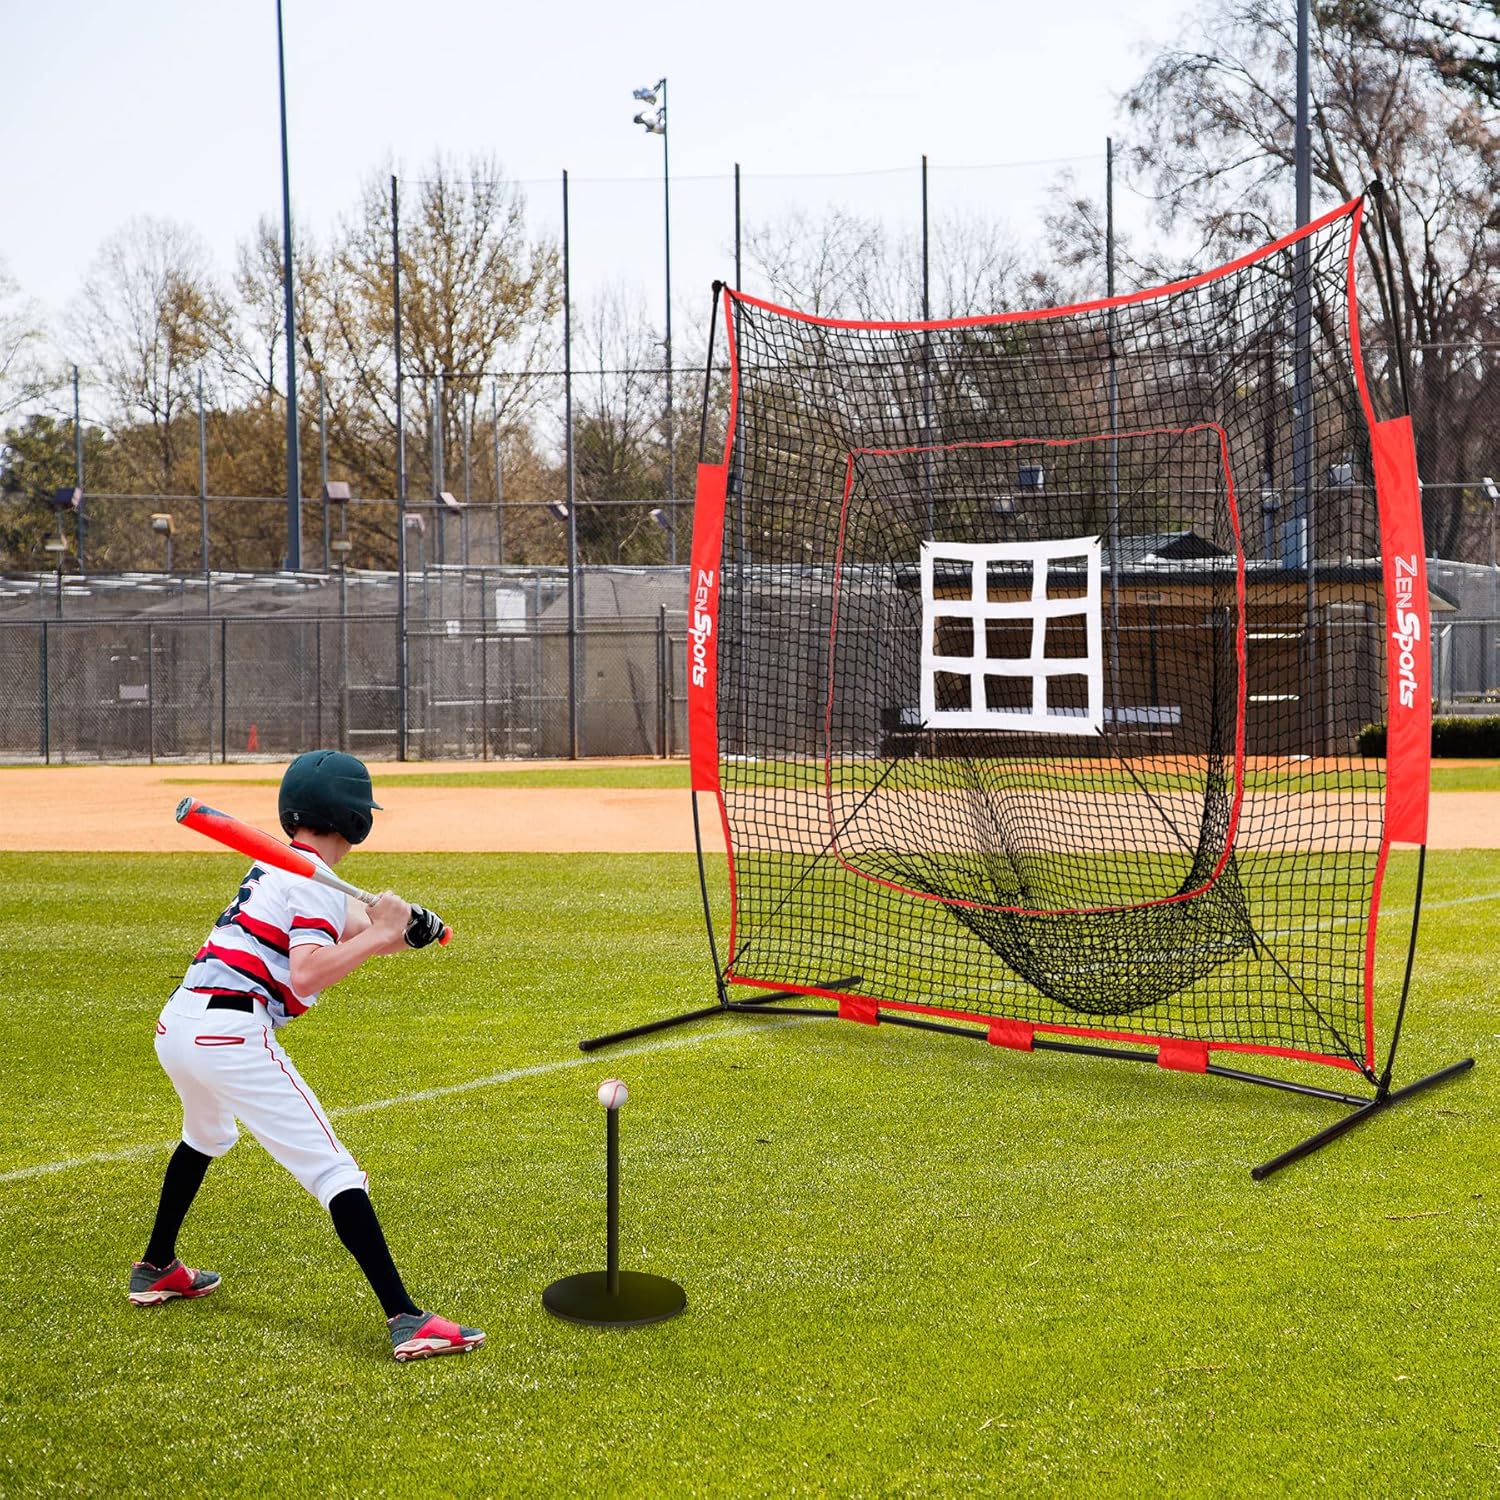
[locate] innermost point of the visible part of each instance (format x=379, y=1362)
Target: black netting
x=1043, y=647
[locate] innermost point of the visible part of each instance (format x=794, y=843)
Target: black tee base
x=641, y=1298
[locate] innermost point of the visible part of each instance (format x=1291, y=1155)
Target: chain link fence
x=493, y=671
x=247, y=666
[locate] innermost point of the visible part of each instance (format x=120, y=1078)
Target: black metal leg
x=749, y=1003
x=593, y=1043
x=1357, y=1117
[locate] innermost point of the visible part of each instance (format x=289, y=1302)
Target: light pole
x=656, y=124
x=1492, y=492
x=293, y=450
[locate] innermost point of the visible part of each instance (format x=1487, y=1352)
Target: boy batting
x=274, y=948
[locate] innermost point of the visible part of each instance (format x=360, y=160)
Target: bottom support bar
x=1360, y=1110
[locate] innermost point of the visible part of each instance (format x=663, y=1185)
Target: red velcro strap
x=1017, y=1034
x=1183, y=1057
x=866, y=1012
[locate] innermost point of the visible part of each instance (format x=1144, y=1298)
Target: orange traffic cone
x=253, y=743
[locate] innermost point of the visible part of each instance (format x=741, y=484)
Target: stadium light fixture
x=648, y=96
x=163, y=525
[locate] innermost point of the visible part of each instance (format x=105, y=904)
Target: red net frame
x=723, y=677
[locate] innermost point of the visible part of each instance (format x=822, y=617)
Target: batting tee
x=1027, y=658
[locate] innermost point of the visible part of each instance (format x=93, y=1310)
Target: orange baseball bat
x=261, y=847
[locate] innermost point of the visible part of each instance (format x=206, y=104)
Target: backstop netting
x=1028, y=656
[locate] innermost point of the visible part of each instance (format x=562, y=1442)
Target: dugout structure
x=1026, y=657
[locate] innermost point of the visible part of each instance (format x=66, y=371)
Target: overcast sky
x=169, y=108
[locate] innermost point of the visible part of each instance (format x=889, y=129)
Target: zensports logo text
x=702, y=626
x=1406, y=633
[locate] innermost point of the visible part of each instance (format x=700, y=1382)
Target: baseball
x=613, y=1093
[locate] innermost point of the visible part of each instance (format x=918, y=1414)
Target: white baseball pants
x=227, y=1064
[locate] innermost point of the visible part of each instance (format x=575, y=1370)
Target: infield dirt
x=129, y=808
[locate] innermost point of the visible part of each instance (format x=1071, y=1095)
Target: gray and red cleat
x=152, y=1284
x=420, y=1335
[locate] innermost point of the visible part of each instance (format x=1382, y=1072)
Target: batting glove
x=425, y=927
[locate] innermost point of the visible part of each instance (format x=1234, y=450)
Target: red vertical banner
x=1408, y=745
x=703, y=626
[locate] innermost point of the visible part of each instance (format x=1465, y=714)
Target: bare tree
x=1214, y=121
x=825, y=267
x=22, y=375
x=149, y=312
x=480, y=296
x=619, y=442
x=845, y=265
x=1459, y=40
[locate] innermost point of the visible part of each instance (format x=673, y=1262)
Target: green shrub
x=1455, y=738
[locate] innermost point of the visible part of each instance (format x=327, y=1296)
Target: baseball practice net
x=1029, y=654
x=1028, y=657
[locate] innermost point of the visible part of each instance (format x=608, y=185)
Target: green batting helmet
x=329, y=792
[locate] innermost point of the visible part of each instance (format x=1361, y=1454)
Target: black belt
x=231, y=1002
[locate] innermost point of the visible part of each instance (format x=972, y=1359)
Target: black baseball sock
x=359, y=1229
x=183, y=1179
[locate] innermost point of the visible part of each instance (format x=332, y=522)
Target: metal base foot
x=641, y=1298
x=593, y=1043
x=1357, y=1117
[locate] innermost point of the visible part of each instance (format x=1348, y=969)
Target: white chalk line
x=417, y=1096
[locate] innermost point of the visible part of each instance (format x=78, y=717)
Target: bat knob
x=184, y=808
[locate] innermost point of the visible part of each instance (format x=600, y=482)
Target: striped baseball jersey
x=249, y=950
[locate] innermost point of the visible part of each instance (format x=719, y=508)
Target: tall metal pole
x=571, y=507
x=323, y=463
x=739, y=274
x=203, y=496
x=1493, y=491
x=1114, y=426
x=1303, y=543
x=439, y=473
x=1297, y=544
x=400, y=479
x=466, y=421
x=293, y=453
x=926, y=357
x=466, y=427
x=499, y=481
x=79, y=526
x=667, y=207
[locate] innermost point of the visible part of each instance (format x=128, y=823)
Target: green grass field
x=915, y=1265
